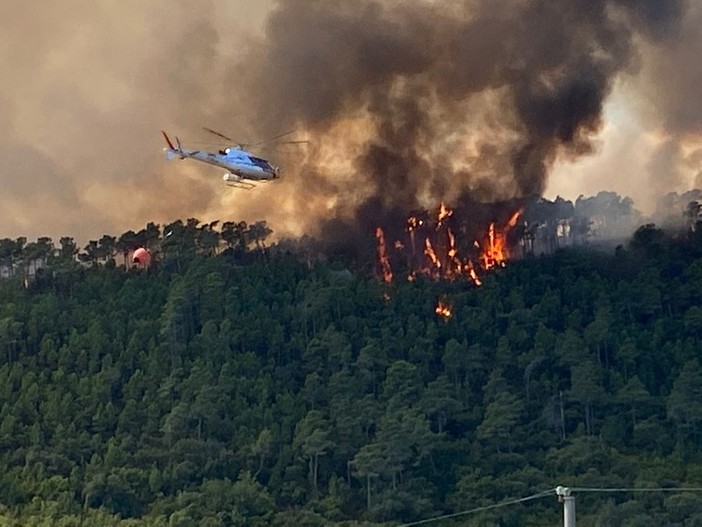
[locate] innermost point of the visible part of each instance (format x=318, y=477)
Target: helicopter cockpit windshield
x=265, y=165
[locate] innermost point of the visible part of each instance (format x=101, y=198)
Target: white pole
x=568, y=506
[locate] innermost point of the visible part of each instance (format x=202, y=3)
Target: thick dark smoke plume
x=430, y=100
x=405, y=103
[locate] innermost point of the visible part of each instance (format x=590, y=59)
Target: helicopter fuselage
x=237, y=162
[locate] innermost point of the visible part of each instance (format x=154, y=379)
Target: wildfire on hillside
x=432, y=249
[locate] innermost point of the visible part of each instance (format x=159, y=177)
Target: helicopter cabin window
x=261, y=163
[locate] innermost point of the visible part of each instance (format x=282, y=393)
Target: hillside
x=250, y=388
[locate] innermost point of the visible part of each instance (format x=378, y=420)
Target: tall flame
x=429, y=251
x=472, y=274
x=454, y=263
x=496, y=253
x=444, y=212
x=382, y=255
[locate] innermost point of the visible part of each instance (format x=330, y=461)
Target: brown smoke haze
x=652, y=140
x=87, y=87
x=404, y=104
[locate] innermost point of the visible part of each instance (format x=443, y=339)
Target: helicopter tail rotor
x=168, y=141
x=174, y=151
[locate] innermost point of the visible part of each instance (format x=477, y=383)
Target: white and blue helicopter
x=243, y=168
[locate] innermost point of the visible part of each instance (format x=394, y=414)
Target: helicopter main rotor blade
x=217, y=134
x=271, y=139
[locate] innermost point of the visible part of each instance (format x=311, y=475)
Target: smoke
x=477, y=99
x=673, y=77
x=404, y=104
x=87, y=87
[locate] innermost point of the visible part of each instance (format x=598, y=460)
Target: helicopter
x=243, y=168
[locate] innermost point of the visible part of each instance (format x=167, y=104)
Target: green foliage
x=243, y=387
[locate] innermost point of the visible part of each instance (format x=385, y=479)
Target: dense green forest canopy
x=258, y=385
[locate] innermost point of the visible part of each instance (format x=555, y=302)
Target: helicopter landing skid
x=241, y=184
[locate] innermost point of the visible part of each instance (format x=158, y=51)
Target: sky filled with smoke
x=404, y=104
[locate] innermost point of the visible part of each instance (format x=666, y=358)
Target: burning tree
x=431, y=247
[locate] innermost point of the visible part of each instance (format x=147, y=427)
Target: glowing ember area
x=413, y=223
x=382, y=255
x=443, y=309
x=434, y=249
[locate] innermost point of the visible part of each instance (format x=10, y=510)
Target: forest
x=240, y=383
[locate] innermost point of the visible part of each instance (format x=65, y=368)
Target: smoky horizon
x=404, y=105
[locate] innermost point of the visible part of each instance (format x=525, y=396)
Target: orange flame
x=496, y=253
x=429, y=251
x=454, y=263
x=443, y=310
x=444, y=212
x=442, y=258
x=513, y=220
x=452, y=244
x=472, y=274
x=413, y=222
x=382, y=255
